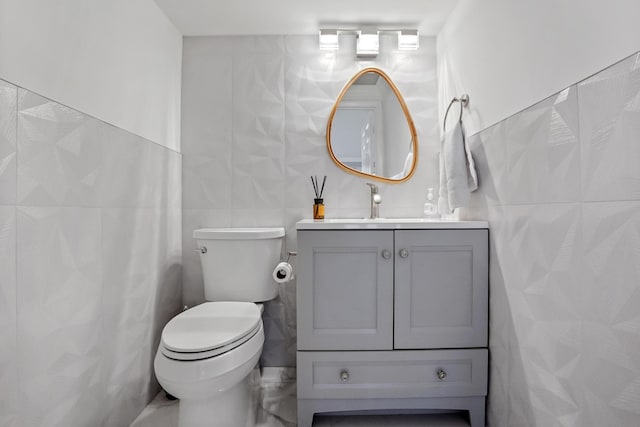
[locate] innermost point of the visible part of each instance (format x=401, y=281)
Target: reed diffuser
x=318, y=202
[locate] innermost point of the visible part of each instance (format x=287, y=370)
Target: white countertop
x=387, y=224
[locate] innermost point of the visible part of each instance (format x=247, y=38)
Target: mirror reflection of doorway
x=357, y=125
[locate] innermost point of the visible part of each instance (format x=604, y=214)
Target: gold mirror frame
x=405, y=110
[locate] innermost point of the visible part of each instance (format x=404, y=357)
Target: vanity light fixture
x=408, y=40
x=367, y=45
x=368, y=39
x=329, y=40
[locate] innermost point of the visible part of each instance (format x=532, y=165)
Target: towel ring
x=463, y=100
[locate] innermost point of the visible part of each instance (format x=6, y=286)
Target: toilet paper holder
x=283, y=272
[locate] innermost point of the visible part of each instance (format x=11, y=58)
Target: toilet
x=206, y=353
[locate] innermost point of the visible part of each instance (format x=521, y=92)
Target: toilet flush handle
x=202, y=250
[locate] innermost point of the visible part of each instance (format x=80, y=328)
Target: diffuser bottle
x=318, y=201
x=318, y=208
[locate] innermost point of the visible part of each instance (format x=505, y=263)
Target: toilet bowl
x=206, y=353
x=205, y=357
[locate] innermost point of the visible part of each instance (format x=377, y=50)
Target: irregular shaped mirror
x=370, y=132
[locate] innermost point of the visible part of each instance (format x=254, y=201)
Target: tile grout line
x=284, y=135
x=580, y=147
x=92, y=117
x=581, y=253
x=232, y=130
x=15, y=217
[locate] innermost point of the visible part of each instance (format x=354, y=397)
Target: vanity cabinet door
x=345, y=290
x=441, y=289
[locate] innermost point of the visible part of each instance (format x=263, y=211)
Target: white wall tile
x=258, y=97
x=207, y=93
x=8, y=123
x=207, y=125
x=258, y=126
x=258, y=193
x=611, y=243
x=61, y=352
x=610, y=128
x=543, y=157
x=500, y=322
x=542, y=283
x=545, y=242
x=72, y=171
x=125, y=168
x=535, y=277
x=200, y=171
x=138, y=173
x=305, y=156
x=59, y=154
x=299, y=193
x=161, y=184
x=141, y=291
x=267, y=217
x=564, y=294
x=499, y=386
x=8, y=350
x=171, y=180
x=611, y=335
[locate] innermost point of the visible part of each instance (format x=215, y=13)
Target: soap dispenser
x=430, y=205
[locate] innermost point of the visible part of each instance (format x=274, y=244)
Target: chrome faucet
x=376, y=199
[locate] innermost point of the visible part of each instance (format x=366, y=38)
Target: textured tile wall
x=90, y=268
x=8, y=336
x=560, y=184
x=254, y=114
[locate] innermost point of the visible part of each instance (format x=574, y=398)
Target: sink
x=375, y=220
x=380, y=220
x=386, y=223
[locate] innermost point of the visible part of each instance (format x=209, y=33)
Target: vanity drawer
x=392, y=374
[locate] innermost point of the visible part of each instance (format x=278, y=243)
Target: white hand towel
x=458, y=176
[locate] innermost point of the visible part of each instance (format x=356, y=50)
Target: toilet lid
x=210, y=325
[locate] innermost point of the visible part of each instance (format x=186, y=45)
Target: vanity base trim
x=475, y=405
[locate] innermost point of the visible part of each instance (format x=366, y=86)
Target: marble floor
x=275, y=396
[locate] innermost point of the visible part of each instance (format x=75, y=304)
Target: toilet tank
x=238, y=262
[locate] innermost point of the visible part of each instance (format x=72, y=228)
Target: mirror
x=370, y=132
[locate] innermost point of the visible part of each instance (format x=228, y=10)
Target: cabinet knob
x=386, y=254
x=344, y=375
x=442, y=374
x=404, y=253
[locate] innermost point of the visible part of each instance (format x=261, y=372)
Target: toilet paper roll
x=283, y=272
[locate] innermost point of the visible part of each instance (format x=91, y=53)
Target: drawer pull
x=404, y=253
x=344, y=376
x=386, y=254
x=442, y=374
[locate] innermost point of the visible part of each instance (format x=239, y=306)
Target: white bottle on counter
x=430, y=206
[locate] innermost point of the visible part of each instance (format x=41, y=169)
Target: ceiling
x=237, y=17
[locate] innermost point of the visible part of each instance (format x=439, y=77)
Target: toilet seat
x=210, y=329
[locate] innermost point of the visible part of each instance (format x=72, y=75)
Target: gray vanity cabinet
x=392, y=319
x=346, y=302
x=441, y=289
